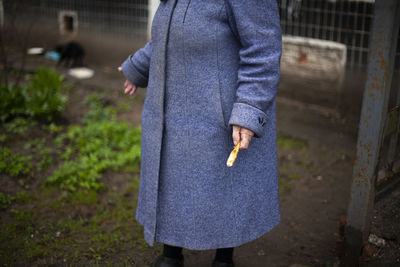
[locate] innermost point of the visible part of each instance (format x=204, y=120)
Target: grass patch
x=286, y=178
x=21, y=197
x=289, y=142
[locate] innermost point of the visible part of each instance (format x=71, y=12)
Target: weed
x=289, y=142
x=52, y=128
x=41, y=98
x=23, y=197
x=123, y=107
x=97, y=111
x=82, y=197
x=45, y=97
x=22, y=217
x=46, y=159
x=5, y=200
x=13, y=102
x=34, y=251
x=18, y=125
x=14, y=164
x=102, y=143
x=37, y=143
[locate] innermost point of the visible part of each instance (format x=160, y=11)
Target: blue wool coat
x=210, y=64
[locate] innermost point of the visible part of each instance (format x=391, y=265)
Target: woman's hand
x=243, y=135
x=130, y=88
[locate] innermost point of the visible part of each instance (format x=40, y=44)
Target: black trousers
x=221, y=254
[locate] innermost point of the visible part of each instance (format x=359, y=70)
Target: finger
x=244, y=143
x=126, y=83
x=236, y=134
x=246, y=131
x=120, y=69
x=126, y=86
x=128, y=89
x=133, y=90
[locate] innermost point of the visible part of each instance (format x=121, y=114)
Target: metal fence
x=344, y=21
x=122, y=18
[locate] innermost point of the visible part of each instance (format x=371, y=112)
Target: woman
x=211, y=70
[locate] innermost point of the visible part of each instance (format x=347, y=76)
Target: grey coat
x=210, y=64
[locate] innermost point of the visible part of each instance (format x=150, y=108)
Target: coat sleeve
x=136, y=66
x=256, y=25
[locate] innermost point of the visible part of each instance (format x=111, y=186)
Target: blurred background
x=70, y=138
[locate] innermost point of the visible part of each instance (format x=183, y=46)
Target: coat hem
x=239, y=242
x=148, y=236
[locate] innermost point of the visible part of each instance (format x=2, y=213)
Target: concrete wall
x=317, y=65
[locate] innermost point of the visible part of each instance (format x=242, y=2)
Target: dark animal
x=71, y=53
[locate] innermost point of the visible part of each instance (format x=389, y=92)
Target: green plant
x=52, y=128
x=97, y=111
x=102, y=143
x=18, y=125
x=123, y=107
x=95, y=147
x=46, y=159
x=289, y=142
x=5, y=200
x=37, y=143
x=45, y=93
x=14, y=164
x=13, y=102
x=41, y=98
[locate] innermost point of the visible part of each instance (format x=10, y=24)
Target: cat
x=71, y=53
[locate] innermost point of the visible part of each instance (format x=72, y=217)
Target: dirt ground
x=318, y=197
x=315, y=184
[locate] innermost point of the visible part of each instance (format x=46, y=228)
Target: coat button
x=261, y=121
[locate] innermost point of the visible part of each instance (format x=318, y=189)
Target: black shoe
x=222, y=264
x=163, y=261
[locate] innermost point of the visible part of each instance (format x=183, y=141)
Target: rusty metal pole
x=381, y=57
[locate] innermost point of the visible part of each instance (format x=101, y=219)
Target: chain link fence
x=343, y=21
x=121, y=18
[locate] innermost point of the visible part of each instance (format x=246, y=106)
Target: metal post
x=153, y=5
x=374, y=109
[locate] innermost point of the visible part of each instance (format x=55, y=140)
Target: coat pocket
x=220, y=107
x=186, y=10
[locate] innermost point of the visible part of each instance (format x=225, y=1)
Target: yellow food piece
x=233, y=155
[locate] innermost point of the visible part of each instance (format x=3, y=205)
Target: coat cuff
x=249, y=117
x=132, y=73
